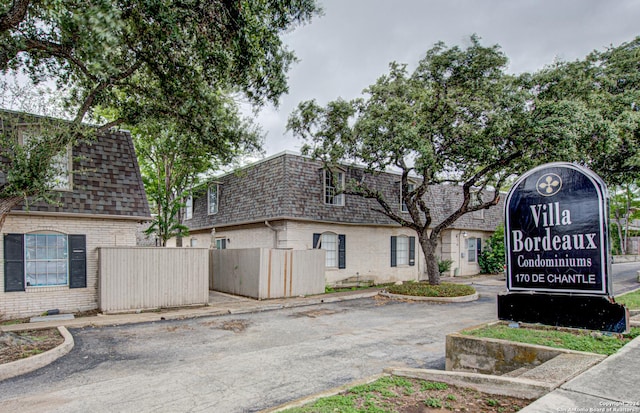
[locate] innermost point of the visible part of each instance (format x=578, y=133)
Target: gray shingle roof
x=106, y=179
x=291, y=186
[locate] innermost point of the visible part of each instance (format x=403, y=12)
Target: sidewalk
x=611, y=386
x=219, y=304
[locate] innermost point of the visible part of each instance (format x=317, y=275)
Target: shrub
x=492, y=258
x=444, y=265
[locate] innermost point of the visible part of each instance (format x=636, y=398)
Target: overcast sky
x=351, y=45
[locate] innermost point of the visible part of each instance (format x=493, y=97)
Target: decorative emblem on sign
x=549, y=184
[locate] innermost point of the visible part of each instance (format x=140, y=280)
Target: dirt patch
x=458, y=399
x=174, y=328
x=237, y=326
x=405, y=395
x=314, y=313
x=23, y=344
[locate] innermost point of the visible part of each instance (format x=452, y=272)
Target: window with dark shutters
x=77, y=261
x=394, y=251
x=342, y=251
x=13, y=262
x=407, y=253
x=412, y=251
x=336, y=247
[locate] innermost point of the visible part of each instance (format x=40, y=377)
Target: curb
x=19, y=367
x=463, y=299
x=327, y=393
x=485, y=383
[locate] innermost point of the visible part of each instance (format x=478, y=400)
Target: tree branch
x=14, y=16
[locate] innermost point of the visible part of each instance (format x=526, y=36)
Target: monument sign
x=558, y=266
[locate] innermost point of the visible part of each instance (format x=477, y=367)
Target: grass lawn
x=631, y=300
x=580, y=340
x=423, y=289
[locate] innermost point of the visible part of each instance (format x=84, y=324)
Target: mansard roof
x=291, y=186
x=106, y=177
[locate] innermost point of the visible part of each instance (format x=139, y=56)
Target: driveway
x=240, y=363
x=249, y=362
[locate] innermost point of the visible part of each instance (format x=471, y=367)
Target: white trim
x=81, y=215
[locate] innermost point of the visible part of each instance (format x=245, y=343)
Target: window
x=333, y=183
x=221, y=243
x=212, y=199
x=476, y=200
x=44, y=260
x=188, y=207
x=335, y=247
x=403, y=250
x=479, y=214
x=403, y=205
x=60, y=164
x=474, y=249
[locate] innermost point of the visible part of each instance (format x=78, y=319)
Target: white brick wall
x=36, y=300
x=368, y=252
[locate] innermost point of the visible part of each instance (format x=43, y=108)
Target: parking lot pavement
x=240, y=362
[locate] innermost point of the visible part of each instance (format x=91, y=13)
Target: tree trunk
x=6, y=205
x=620, y=237
x=429, y=249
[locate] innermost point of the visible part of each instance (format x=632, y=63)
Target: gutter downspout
x=275, y=235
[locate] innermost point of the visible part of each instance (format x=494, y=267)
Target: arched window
x=335, y=247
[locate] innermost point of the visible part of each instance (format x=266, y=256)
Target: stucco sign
x=556, y=231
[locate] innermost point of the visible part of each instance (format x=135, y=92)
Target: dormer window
x=188, y=208
x=403, y=205
x=333, y=184
x=61, y=165
x=213, y=198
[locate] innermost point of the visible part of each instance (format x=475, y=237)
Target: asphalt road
x=240, y=363
x=246, y=363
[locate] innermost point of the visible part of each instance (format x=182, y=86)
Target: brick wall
x=36, y=300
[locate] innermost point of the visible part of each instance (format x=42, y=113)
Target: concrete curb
x=327, y=393
x=501, y=385
x=463, y=299
x=18, y=367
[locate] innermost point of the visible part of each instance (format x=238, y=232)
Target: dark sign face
x=556, y=231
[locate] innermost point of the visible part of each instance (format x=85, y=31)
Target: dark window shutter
x=342, y=251
x=479, y=248
x=77, y=261
x=316, y=241
x=394, y=246
x=412, y=250
x=223, y=244
x=13, y=262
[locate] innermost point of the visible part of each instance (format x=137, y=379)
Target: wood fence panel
x=264, y=273
x=148, y=278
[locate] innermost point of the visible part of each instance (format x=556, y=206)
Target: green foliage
x=631, y=300
x=492, y=258
x=433, y=385
x=173, y=163
x=492, y=402
x=34, y=166
x=444, y=265
x=460, y=118
x=624, y=207
x=433, y=402
x=429, y=290
x=580, y=340
x=177, y=64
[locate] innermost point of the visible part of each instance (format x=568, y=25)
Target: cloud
x=348, y=48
